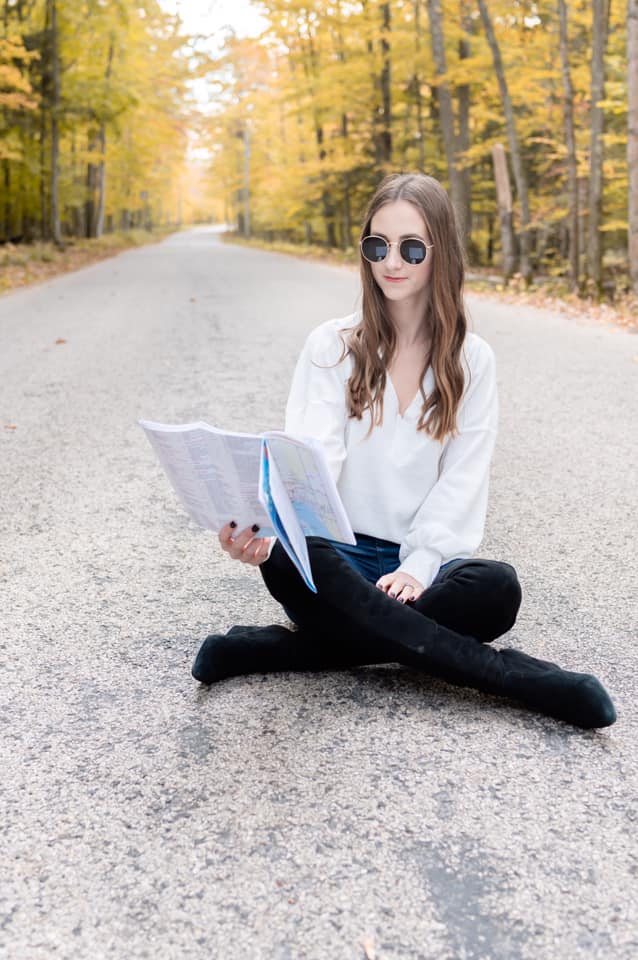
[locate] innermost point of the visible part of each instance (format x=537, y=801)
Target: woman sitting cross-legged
x=403, y=399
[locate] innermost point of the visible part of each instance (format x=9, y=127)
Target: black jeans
x=445, y=632
x=475, y=598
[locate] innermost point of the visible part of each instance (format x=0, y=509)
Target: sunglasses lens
x=413, y=251
x=374, y=249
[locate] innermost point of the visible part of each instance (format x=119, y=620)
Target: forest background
x=113, y=119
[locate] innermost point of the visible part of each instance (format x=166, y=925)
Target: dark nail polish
x=233, y=524
x=255, y=527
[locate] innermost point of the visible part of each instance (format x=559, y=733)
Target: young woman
x=403, y=399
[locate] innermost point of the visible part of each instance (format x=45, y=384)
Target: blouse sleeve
x=450, y=521
x=316, y=404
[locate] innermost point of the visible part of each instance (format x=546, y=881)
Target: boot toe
x=205, y=665
x=598, y=708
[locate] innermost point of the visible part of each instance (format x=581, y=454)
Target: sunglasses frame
x=394, y=243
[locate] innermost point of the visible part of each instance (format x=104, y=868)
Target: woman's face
x=397, y=279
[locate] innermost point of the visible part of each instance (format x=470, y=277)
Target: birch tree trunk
x=570, y=141
x=512, y=138
x=597, y=122
x=632, y=139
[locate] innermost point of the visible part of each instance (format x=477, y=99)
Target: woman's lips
x=395, y=279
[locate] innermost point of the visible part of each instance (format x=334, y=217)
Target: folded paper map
x=281, y=482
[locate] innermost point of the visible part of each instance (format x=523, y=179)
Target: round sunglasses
x=412, y=249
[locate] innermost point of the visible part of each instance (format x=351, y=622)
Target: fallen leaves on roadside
x=10, y=426
x=24, y=264
x=623, y=312
x=60, y=340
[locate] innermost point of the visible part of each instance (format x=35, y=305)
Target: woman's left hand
x=401, y=586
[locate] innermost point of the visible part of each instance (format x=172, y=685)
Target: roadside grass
x=549, y=293
x=24, y=264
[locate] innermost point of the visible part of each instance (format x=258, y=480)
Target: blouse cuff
x=423, y=564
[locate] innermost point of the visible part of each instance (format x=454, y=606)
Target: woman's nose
x=394, y=257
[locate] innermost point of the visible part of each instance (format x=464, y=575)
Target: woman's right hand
x=244, y=546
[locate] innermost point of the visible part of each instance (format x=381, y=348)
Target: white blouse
x=399, y=484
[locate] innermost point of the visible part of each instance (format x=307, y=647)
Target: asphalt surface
x=367, y=813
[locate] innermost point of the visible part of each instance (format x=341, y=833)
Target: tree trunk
x=463, y=139
x=347, y=214
x=385, y=138
x=45, y=76
x=6, y=174
x=632, y=139
x=418, y=99
x=246, y=192
x=6, y=213
x=326, y=200
x=101, y=169
x=375, y=106
x=100, y=183
x=56, y=233
x=90, y=215
x=446, y=113
x=346, y=222
x=512, y=138
x=597, y=122
x=504, y=203
x=570, y=141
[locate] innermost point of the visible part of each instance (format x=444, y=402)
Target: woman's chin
x=396, y=291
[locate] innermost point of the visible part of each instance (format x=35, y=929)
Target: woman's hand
x=401, y=586
x=244, y=546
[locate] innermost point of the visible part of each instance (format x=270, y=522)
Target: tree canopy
x=335, y=93
x=94, y=116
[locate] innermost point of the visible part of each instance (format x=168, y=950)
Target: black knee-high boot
x=407, y=636
x=254, y=649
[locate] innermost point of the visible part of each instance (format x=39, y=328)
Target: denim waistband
x=364, y=539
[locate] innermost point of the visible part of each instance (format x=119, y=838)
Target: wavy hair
x=372, y=342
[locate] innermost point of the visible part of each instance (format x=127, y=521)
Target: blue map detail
x=276, y=519
x=310, y=522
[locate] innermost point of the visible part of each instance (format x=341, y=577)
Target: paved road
x=293, y=815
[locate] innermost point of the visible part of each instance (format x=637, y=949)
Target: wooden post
x=504, y=203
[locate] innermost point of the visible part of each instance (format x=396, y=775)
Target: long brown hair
x=372, y=342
